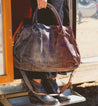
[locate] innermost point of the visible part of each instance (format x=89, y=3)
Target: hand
x=42, y=4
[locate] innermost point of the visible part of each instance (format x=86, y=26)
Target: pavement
x=87, y=37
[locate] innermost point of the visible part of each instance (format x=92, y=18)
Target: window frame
x=7, y=44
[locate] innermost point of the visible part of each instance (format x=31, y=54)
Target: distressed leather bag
x=44, y=48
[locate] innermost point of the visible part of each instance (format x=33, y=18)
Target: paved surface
x=90, y=92
x=24, y=101
x=85, y=73
x=87, y=37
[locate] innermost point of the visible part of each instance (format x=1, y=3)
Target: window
x=6, y=46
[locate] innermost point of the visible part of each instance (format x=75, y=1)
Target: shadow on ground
x=90, y=93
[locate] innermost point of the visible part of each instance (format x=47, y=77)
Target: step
x=24, y=101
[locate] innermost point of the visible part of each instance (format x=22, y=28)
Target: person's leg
x=50, y=84
x=40, y=99
x=36, y=82
x=35, y=79
x=66, y=18
x=41, y=83
x=50, y=77
x=51, y=87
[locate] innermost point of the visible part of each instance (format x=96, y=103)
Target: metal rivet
x=10, y=37
x=9, y=29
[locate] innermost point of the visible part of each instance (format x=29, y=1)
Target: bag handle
x=55, y=14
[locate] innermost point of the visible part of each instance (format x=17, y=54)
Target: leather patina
x=42, y=48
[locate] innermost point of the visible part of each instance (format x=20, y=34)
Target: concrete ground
x=87, y=37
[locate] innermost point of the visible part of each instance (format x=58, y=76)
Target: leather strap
x=31, y=88
x=55, y=14
x=17, y=30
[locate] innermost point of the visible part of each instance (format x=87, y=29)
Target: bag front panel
x=42, y=48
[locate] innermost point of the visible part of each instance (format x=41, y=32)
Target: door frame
x=7, y=42
x=72, y=6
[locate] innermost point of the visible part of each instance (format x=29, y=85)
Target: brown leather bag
x=44, y=48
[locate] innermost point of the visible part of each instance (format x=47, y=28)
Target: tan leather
x=37, y=80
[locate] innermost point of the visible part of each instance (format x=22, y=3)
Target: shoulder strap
x=17, y=30
x=31, y=88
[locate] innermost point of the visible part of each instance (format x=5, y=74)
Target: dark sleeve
x=47, y=17
x=34, y=5
x=66, y=19
x=44, y=16
x=62, y=7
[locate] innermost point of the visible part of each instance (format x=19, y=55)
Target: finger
x=42, y=4
x=39, y=5
x=45, y=4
